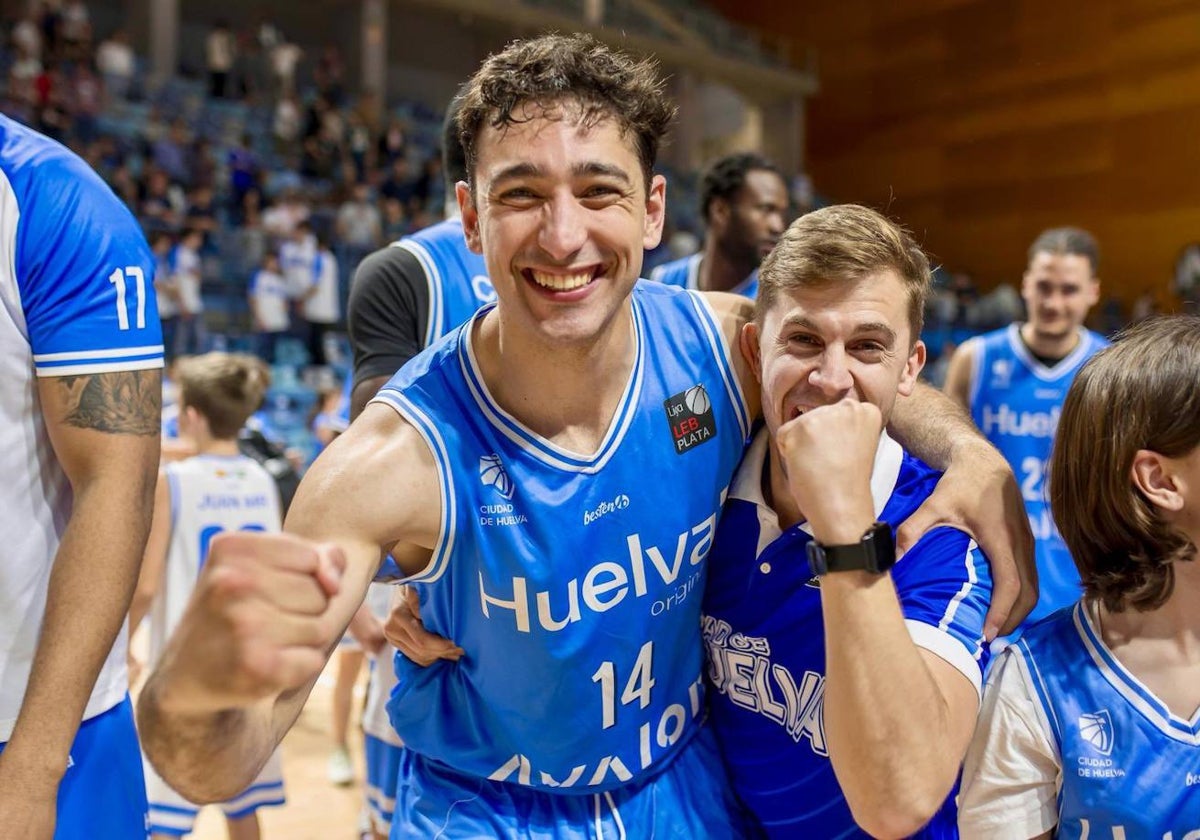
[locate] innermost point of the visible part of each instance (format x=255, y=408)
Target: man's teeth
x=562, y=282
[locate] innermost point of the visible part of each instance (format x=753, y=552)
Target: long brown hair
x=1141, y=393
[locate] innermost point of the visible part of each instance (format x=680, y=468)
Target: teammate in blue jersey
x=1089, y=726
x=217, y=489
x=409, y=294
x=550, y=472
x=1013, y=382
x=844, y=696
x=79, y=432
x=744, y=201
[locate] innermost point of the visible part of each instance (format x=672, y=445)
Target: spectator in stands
x=399, y=184
x=359, y=225
x=321, y=303
x=117, y=64
x=281, y=218
x=170, y=152
x=286, y=124
x=285, y=56
x=186, y=271
x=202, y=216
x=87, y=100
x=297, y=258
x=75, y=29
x=393, y=143
x=245, y=172
x=395, y=222
x=220, y=51
x=269, y=306
x=165, y=291
x=160, y=207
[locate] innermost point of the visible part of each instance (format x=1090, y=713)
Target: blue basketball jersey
x=685, y=273
x=457, y=277
x=765, y=638
x=76, y=299
x=1016, y=401
x=1130, y=768
x=573, y=581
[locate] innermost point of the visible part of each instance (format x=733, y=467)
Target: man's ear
x=656, y=213
x=912, y=369
x=470, y=216
x=748, y=343
x=1155, y=476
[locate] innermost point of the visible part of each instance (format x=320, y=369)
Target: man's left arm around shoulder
x=978, y=494
x=897, y=718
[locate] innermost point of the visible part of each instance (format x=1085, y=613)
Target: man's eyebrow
x=807, y=323
x=607, y=170
x=594, y=168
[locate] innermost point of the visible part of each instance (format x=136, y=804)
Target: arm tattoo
x=122, y=402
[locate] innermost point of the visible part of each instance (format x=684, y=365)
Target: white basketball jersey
x=210, y=494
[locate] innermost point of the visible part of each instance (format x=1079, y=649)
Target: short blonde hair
x=224, y=387
x=840, y=244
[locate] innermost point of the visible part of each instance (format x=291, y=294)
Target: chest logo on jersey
x=1001, y=373
x=691, y=417
x=1097, y=730
x=493, y=474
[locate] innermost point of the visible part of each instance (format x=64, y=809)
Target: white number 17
x=117, y=278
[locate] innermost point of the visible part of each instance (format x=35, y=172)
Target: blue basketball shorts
x=102, y=795
x=383, y=771
x=688, y=800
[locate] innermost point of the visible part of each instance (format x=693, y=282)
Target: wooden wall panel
x=979, y=122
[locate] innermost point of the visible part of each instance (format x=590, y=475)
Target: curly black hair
x=728, y=175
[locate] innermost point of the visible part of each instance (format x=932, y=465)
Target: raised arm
x=978, y=494
x=895, y=768
x=104, y=429
x=269, y=609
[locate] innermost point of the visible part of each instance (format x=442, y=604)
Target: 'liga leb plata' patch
x=691, y=418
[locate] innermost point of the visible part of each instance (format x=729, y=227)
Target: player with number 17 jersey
x=571, y=565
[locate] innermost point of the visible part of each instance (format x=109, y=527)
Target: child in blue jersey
x=843, y=699
x=216, y=490
x=1089, y=727
x=1013, y=382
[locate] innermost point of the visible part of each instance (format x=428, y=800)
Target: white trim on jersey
x=963, y=592
x=940, y=643
x=1062, y=367
x=1135, y=692
x=439, y=560
x=433, y=279
x=536, y=445
x=722, y=352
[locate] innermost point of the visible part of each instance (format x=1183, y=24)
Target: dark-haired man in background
x=744, y=202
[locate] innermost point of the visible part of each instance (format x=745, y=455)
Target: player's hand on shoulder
x=258, y=622
x=828, y=453
x=407, y=633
